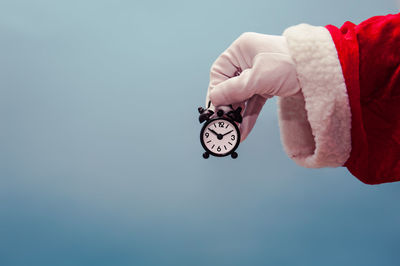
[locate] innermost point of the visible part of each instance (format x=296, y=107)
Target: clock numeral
x=227, y=126
x=215, y=125
x=213, y=146
x=207, y=134
x=209, y=141
x=229, y=143
x=225, y=147
x=219, y=148
x=232, y=137
x=221, y=124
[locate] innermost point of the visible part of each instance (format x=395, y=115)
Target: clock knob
x=235, y=115
x=206, y=155
x=220, y=113
x=204, y=114
x=238, y=116
x=234, y=155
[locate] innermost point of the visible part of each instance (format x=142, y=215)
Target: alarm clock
x=220, y=134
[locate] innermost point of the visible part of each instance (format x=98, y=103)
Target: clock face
x=220, y=136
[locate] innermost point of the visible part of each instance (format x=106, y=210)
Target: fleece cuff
x=315, y=125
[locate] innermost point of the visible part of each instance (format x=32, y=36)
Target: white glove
x=266, y=69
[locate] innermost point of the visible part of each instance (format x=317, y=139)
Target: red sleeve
x=369, y=54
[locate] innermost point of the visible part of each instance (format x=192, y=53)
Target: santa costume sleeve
x=349, y=114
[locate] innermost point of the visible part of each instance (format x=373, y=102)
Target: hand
x=266, y=69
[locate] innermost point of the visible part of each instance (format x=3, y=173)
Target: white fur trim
x=315, y=129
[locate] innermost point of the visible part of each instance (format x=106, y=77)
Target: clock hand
x=227, y=133
x=215, y=133
x=219, y=136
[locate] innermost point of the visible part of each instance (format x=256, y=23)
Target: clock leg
x=234, y=155
x=206, y=155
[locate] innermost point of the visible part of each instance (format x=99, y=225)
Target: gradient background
x=100, y=160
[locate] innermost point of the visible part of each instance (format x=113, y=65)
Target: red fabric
x=369, y=54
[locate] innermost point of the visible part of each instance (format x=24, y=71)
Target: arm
x=339, y=92
x=350, y=78
x=370, y=58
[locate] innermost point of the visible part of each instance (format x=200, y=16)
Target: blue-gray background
x=100, y=162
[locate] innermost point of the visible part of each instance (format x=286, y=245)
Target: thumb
x=250, y=115
x=233, y=90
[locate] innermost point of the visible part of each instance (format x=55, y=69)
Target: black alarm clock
x=220, y=135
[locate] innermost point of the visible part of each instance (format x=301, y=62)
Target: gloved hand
x=254, y=68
